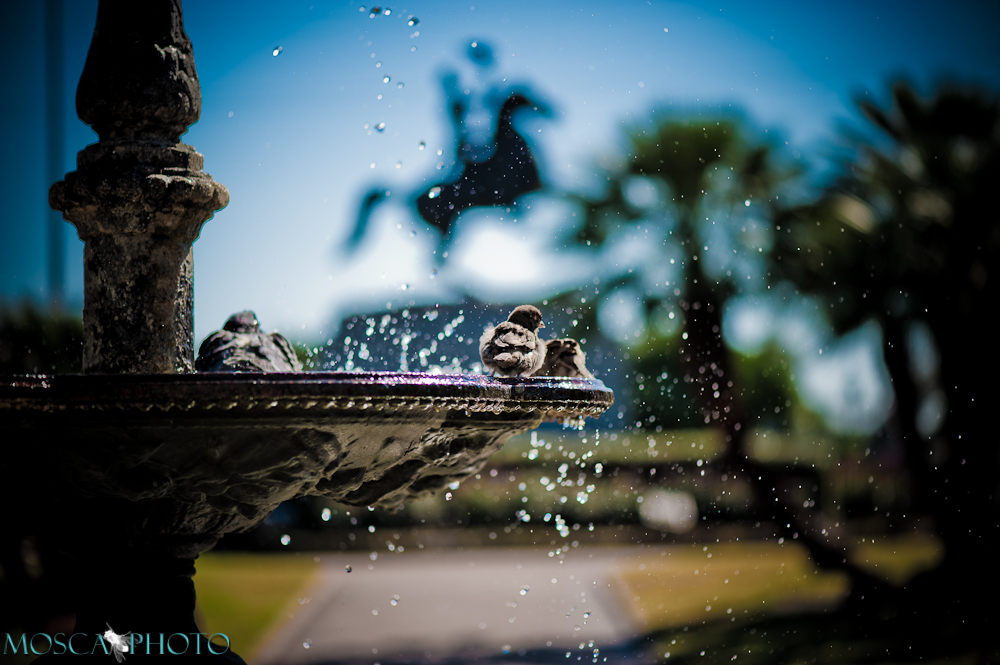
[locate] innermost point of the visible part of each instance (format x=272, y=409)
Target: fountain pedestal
x=139, y=196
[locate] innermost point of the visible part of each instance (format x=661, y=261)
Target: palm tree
x=706, y=192
x=716, y=193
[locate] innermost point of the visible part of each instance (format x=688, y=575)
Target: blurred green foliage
x=700, y=193
x=34, y=340
x=908, y=236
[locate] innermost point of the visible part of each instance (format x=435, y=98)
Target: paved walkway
x=438, y=604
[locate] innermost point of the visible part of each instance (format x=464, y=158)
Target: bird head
x=528, y=316
x=242, y=322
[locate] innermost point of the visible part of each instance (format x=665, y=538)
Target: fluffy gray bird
x=241, y=347
x=513, y=348
x=564, y=357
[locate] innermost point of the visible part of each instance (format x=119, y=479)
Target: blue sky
x=287, y=134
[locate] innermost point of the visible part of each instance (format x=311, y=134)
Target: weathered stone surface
x=138, y=197
x=176, y=462
x=139, y=81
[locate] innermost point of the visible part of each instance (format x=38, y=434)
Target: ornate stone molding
x=139, y=197
x=182, y=460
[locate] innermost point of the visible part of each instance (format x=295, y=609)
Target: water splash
x=404, y=341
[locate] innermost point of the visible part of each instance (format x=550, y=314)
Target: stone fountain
x=139, y=464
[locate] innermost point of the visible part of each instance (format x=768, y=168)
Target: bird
x=564, y=357
x=241, y=346
x=513, y=348
x=508, y=173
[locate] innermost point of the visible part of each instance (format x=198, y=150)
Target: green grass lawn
x=247, y=596
x=688, y=585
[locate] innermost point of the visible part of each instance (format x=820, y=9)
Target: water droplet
x=371, y=529
x=380, y=126
x=447, y=496
x=524, y=590
x=434, y=193
x=376, y=10
x=348, y=569
x=555, y=579
x=666, y=30
x=374, y=612
x=385, y=79
x=586, y=615
x=307, y=644
x=372, y=165
x=325, y=515
x=276, y=51
x=421, y=145
x=747, y=203
x=412, y=49
x=378, y=64
x=285, y=539
x=386, y=11
x=394, y=601
x=413, y=21
x=400, y=85
x=399, y=165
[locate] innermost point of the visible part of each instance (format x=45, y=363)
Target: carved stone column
x=139, y=196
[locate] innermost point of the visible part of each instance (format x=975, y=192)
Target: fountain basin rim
x=561, y=396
